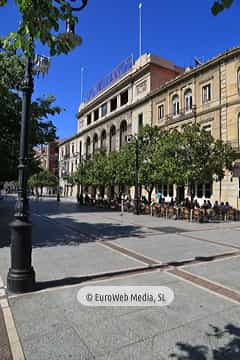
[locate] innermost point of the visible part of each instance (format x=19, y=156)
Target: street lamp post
x=58, y=190
x=21, y=275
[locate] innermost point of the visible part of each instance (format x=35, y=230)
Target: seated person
x=209, y=204
x=196, y=204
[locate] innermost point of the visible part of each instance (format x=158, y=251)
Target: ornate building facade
x=154, y=91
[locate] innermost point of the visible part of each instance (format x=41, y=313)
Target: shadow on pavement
x=229, y=338
x=62, y=230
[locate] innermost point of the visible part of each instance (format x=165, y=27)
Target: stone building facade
x=48, y=156
x=118, y=111
x=157, y=92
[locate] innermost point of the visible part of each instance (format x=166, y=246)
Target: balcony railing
x=234, y=144
x=183, y=114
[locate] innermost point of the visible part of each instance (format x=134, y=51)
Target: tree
x=40, y=21
x=147, y=148
x=220, y=5
x=42, y=130
x=201, y=157
x=43, y=179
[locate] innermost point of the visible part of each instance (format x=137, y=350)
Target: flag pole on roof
x=140, y=28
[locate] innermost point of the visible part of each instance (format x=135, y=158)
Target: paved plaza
x=77, y=246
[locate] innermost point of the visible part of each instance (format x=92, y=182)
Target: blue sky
x=176, y=30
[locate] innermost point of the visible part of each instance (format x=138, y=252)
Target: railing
x=234, y=144
x=172, y=118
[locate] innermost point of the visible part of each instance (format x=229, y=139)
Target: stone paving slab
x=226, y=236
x=60, y=262
x=225, y=272
x=71, y=330
x=5, y=352
x=172, y=247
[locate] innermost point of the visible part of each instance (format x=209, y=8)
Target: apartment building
x=208, y=94
x=48, y=156
x=155, y=91
x=116, y=107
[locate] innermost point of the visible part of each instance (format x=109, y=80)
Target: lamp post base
x=21, y=275
x=20, y=281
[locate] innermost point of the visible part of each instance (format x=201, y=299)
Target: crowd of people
x=207, y=205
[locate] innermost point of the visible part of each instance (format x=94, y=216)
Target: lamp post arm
x=79, y=8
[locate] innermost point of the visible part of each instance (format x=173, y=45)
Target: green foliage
x=220, y=5
x=40, y=20
x=201, y=156
x=43, y=178
x=41, y=129
x=187, y=157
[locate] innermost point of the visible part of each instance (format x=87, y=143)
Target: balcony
x=234, y=144
x=183, y=115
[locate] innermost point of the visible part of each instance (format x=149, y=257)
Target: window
x=208, y=190
x=199, y=190
x=104, y=109
x=124, y=98
x=238, y=130
x=175, y=105
x=80, y=150
x=140, y=121
x=206, y=93
x=123, y=132
x=165, y=190
x=103, y=140
x=170, y=190
x=238, y=80
x=88, y=147
x=89, y=119
x=207, y=128
x=95, y=143
x=96, y=114
x=113, y=138
x=188, y=100
x=160, y=112
x=72, y=148
x=113, y=104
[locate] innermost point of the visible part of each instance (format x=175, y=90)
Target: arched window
x=103, y=140
x=88, y=147
x=123, y=133
x=175, y=105
x=238, y=80
x=80, y=150
x=113, y=138
x=238, y=126
x=95, y=143
x=188, y=100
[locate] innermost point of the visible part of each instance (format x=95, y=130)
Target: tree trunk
x=150, y=194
